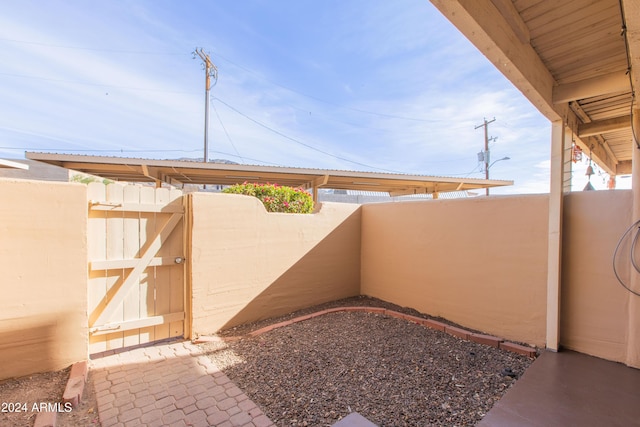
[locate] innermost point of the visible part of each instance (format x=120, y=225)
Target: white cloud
x=354, y=86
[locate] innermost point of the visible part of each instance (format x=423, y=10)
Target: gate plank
x=163, y=278
x=150, y=251
x=176, y=271
x=147, y=277
x=96, y=249
x=131, y=245
x=115, y=248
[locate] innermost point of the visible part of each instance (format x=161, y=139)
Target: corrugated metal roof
x=177, y=172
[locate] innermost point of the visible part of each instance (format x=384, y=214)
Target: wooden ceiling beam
x=320, y=181
x=513, y=18
x=623, y=168
x=152, y=173
x=598, y=153
x=492, y=33
x=315, y=183
x=588, y=88
x=595, y=145
x=604, y=126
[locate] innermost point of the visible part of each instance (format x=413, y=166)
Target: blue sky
x=339, y=84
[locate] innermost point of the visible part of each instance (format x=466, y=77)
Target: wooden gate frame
x=99, y=319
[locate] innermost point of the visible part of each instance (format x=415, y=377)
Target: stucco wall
x=247, y=264
x=594, y=306
x=43, y=313
x=478, y=262
x=481, y=263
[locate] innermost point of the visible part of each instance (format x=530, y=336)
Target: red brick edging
x=430, y=323
x=72, y=394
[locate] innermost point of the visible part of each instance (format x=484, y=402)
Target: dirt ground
x=21, y=399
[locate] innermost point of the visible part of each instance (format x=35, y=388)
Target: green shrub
x=85, y=179
x=276, y=198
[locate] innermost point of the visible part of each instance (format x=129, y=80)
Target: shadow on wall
x=328, y=272
x=247, y=264
x=32, y=344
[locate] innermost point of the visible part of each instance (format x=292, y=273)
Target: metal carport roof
x=178, y=172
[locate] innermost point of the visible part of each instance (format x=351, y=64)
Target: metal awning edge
x=148, y=170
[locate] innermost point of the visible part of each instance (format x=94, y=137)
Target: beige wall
x=477, y=262
x=481, y=262
x=594, y=305
x=247, y=264
x=43, y=263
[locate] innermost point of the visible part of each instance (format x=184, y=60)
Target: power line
x=391, y=116
x=93, y=84
x=129, y=52
x=297, y=141
x=95, y=150
x=322, y=151
x=227, y=133
x=248, y=70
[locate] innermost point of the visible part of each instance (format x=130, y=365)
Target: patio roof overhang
x=179, y=172
x=577, y=61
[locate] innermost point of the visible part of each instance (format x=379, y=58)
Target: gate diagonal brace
x=111, y=306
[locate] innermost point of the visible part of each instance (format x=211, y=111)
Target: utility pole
x=486, y=148
x=210, y=71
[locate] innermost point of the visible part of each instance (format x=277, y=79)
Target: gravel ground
x=19, y=395
x=393, y=372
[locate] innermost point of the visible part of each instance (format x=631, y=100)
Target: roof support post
x=633, y=337
x=318, y=182
x=554, y=250
x=146, y=172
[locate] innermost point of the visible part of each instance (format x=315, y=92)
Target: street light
x=504, y=158
x=489, y=167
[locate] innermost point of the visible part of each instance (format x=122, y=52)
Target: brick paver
x=169, y=384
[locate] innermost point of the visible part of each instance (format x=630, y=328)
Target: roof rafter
x=513, y=18
x=598, y=150
x=604, y=126
x=602, y=85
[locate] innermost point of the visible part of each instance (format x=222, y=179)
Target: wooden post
x=633, y=310
x=554, y=251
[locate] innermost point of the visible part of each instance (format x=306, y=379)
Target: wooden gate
x=136, y=256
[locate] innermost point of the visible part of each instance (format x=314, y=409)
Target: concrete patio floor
x=570, y=389
x=169, y=385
